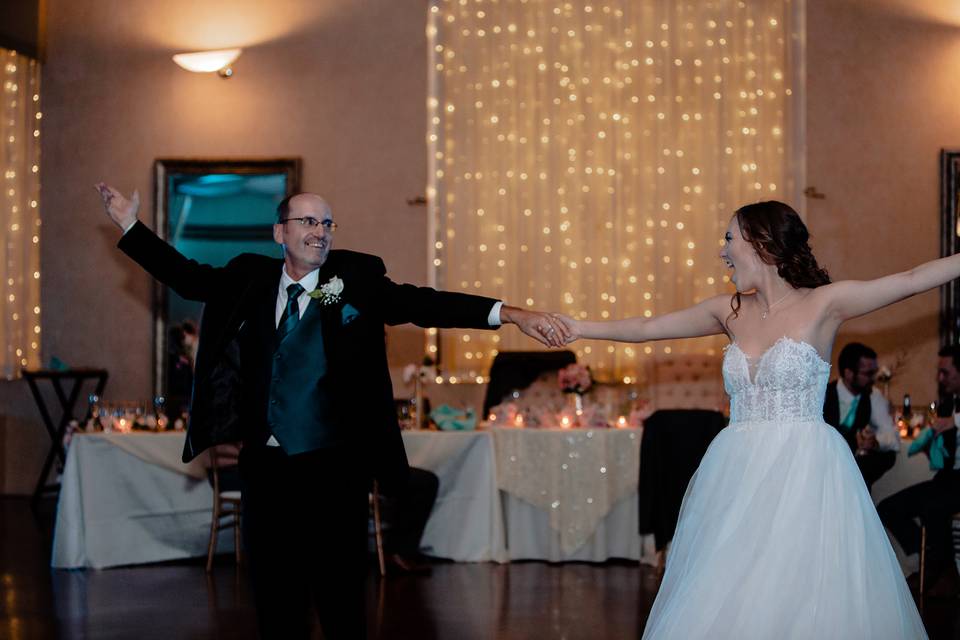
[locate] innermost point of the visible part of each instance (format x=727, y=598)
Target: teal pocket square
x=348, y=314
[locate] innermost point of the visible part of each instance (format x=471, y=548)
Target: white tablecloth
x=126, y=499
x=467, y=520
x=116, y=508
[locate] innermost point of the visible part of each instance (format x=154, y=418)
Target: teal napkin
x=448, y=418
x=935, y=448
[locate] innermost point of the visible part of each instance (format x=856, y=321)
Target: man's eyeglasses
x=312, y=223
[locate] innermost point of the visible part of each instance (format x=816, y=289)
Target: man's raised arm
x=189, y=278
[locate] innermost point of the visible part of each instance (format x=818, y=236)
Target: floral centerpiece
x=886, y=373
x=576, y=380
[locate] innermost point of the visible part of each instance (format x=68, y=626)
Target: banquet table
x=532, y=494
x=505, y=494
x=126, y=498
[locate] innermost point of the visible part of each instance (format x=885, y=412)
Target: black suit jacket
x=232, y=377
x=831, y=414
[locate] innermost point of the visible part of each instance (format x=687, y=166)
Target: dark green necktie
x=291, y=315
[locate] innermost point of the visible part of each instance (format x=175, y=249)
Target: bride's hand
x=573, y=327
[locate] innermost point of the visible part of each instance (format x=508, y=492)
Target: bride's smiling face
x=740, y=256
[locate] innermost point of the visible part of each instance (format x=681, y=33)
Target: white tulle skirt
x=778, y=538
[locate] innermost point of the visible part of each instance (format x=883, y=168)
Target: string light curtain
x=586, y=158
x=19, y=213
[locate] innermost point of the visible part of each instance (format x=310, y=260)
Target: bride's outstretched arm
x=851, y=298
x=703, y=319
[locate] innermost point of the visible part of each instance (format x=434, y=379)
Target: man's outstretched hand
x=537, y=324
x=122, y=211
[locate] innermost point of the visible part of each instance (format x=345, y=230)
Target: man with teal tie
x=292, y=362
x=860, y=412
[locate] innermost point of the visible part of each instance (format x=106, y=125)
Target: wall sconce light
x=209, y=61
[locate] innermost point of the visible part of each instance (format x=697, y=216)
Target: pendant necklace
x=763, y=316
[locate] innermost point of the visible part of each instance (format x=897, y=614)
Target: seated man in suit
x=936, y=500
x=861, y=414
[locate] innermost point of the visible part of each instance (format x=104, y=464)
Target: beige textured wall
x=342, y=84
x=882, y=79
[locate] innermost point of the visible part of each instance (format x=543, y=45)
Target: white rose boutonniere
x=328, y=293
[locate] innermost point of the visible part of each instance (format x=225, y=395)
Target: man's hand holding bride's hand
x=573, y=331
x=541, y=326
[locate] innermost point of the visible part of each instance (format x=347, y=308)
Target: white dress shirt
x=888, y=439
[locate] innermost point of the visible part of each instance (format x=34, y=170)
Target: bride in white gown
x=778, y=536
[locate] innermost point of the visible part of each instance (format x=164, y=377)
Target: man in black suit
x=292, y=363
x=861, y=414
x=935, y=501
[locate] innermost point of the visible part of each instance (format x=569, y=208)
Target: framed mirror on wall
x=210, y=210
x=949, y=243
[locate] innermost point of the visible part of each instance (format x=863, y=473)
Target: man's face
x=861, y=380
x=948, y=378
x=305, y=236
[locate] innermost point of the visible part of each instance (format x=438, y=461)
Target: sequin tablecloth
x=576, y=476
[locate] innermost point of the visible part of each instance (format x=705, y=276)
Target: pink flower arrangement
x=575, y=378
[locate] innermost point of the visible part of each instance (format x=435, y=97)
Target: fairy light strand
x=586, y=158
x=20, y=119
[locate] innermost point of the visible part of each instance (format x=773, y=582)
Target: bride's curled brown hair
x=780, y=238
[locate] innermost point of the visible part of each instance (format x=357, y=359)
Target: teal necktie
x=851, y=416
x=291, y=315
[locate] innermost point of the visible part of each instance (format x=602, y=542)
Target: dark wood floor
x=462, y=601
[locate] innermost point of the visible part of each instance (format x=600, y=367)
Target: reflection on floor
x=463, y=601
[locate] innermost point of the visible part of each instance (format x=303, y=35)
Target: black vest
x=831, y=414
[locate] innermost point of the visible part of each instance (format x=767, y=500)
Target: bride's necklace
x=763, y=316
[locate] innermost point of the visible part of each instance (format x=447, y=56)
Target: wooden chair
x=923, y=551
x=378, y=527
x=226, y=504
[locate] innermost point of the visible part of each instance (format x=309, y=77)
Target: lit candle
x=565, y=422
x=622, y=422
x=518, y=421
x=492, y=417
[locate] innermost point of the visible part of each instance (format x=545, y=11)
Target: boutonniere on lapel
x=328, y=293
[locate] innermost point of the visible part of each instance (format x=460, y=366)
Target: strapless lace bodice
x=785, y=384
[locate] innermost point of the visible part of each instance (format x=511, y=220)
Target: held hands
x=867, y=439
x=574, y=330
x=544, y=327
x=122, y=211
